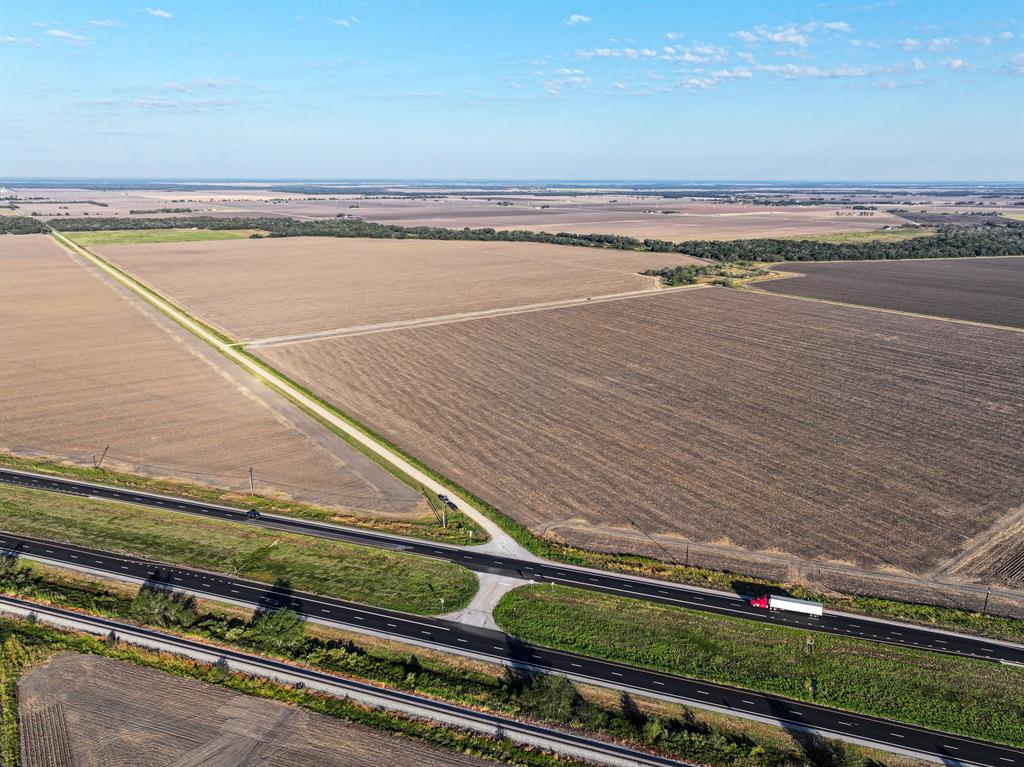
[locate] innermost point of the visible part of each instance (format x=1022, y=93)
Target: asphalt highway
x=497, y=646
x=544, y=572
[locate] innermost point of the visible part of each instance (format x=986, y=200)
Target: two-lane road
x=707, y=600
x=502, y=648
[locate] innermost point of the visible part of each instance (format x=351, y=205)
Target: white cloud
x=619, y=53
x=1007, y=35
x=106, y=23
x=699, y=54
x=203, y=83
x=910, y=44
x=794, y=72
x=736, y=73
x=917, y=64
x=64, y=35
x=344, y=22
x=984, y=40
x=9, y=40
x=892, y=85
x=938, y=44
x=699, y=83
x=159, y=13
x=787, y=35
x=1016, y=64
x=954, y=64
x=746, y=56
x=577, y=18
x=673, y=35
x=837, y=26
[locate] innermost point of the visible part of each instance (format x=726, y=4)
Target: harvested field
x=637, y=217
x=92, y=711
x=256, y=288
x=750, y=420
x=86, y=365
x=979, y=289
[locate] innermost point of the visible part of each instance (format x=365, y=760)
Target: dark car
x=252, y=514
x=451, y=505
x=443, y=497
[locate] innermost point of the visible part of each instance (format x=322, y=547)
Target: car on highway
x=252, y=514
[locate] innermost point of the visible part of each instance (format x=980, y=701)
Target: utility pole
x=99, y=463
x=252, y=486
x=984, y=610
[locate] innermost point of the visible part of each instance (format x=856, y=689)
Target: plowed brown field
x=746, y=419
x=979, y=289
x=85, y=711
x=83, y=365
x=257, y=288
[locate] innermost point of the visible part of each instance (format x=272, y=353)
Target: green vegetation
x=13, y=657
x=373, y=576
x=22, y=640
x=728, y=275
x=695, y=736
x=425, y=527
x=141, y=236
x=961, y=695
x=882, y=235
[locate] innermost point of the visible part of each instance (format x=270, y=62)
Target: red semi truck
x=790, y=604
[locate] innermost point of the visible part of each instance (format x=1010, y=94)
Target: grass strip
x=393, y=580
x=960, y=695
x=148, y=236
x=693, y=735
x=425, y=526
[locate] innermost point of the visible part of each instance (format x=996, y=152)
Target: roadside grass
x=946, y=617
x=425, y=526
x=1014, y=216
x=885, y=235
x=960, y=695
x=694, y=735
x=147, y=236
x=378, y=577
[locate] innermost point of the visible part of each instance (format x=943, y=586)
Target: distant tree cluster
x=21, y=225
x=947, y=242
x=160, y=210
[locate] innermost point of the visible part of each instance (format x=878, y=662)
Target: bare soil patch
x=979, y=289
x=257, y=288
x=750, y=420
x=97, y=711
x=85, y=365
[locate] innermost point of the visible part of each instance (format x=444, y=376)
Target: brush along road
x=858, y=627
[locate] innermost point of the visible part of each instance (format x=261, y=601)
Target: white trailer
x=795, y=605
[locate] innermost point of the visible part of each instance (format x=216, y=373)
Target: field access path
x=537, y=571
x=500, y=541
x=498, y=647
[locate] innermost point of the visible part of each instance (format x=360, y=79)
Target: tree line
x=947, y=242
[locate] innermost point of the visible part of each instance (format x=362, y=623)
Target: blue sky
x=630, y=90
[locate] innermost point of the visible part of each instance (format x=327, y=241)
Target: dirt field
x=85, y=711
x=258, y=288
x=979, y=289
x=746, y=420
x=87, y=365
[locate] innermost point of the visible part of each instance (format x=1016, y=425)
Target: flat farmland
x=635, y=217
x=979, y=289
x=86, y=365
x=86, y=711
x=750, y=421
x=257, y=288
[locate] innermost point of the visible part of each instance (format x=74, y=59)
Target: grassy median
x=371, y=576
x=960, y=695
